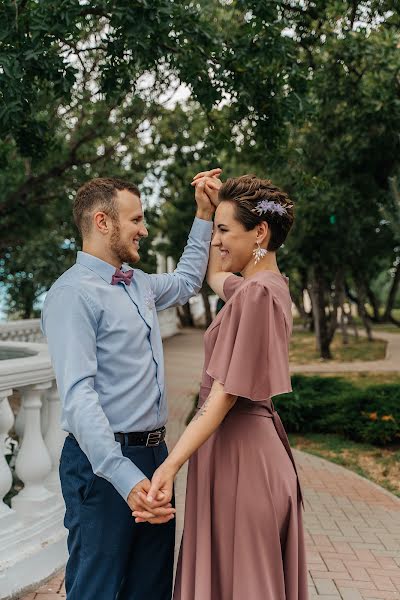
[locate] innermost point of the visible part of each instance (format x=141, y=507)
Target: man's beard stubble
x=121, y=249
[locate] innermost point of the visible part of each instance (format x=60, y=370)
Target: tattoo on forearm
x=202, y=410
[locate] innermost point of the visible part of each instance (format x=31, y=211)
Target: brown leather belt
x=139, y=438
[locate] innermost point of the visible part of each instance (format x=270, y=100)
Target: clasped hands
x=206, y=186
x=151, y=501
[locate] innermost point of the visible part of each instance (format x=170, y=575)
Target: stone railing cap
x=29, y=370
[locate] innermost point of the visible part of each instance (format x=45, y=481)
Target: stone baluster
x=170, y=264
x=44, y=415
x=161, y=263
x=33, y=463
x=54, y=437
x=7, y=515
x=20, y=422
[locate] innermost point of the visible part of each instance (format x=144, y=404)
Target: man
x=104, y=339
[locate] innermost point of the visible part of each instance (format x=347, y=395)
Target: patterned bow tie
x=122, y=277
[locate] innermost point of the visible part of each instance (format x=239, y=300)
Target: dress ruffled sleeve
x=250, y=353
x=231, y=284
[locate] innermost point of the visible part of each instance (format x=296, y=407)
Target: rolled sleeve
x=71, y=337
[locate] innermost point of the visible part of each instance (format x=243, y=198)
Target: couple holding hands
x=243, y=534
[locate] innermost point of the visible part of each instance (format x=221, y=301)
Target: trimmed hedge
x=335, y=405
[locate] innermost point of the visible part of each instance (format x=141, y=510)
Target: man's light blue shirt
x=106, y=350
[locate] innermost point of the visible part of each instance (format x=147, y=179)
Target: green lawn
x=380, y=465
x=389, y=327
x=303, y=348
x=365, y=379
x=386, y=327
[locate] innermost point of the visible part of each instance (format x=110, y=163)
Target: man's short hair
x=98, y=195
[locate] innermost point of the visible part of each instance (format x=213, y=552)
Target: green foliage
x=307, y=93
x=176, y=137
x=334, y=405
x=39, y=39
x=340, y=159
x=312, y=402
x=372, y=416
x=81, y=86
x=219, y=49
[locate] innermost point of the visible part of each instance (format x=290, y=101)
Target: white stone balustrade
x=32, y=535
x=54, y=438
x=28, y=330
x=33, y=464
x=25, y=330
x=6, y=423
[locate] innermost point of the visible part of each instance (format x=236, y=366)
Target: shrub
x=313, y=400
x=372, y=415
x=334, y=405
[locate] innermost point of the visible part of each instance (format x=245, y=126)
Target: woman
x=243, y=536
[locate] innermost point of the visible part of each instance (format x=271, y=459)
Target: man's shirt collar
x=102, y=268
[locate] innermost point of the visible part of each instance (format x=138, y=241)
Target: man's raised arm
x=170, y=289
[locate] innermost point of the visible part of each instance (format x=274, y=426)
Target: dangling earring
x=259, y=253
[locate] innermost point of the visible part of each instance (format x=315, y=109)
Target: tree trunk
x=299, y=304
x=318, y=301
x=374, y=303
x=361, y=308
x=185, y=315
x=392, y=295
x=28, y=300
x=207, y=307
x=349, y=314
x=333, y=314
x=352, y=322
x=343, y=326
x=343, y=315
x=312, y=290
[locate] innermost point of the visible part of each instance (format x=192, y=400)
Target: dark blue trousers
x=110, y=556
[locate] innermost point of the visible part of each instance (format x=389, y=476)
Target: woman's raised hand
x=207, y=184
x=212, y=173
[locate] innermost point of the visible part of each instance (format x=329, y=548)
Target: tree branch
x=353, y=14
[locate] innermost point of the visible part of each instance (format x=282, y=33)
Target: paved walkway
x=352, y=525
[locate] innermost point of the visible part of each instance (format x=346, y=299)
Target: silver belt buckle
x=154, y=438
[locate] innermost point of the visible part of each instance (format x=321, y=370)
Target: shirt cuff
x=201, y=229
x=125, y=477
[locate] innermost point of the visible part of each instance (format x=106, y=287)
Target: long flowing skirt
x=243, y=535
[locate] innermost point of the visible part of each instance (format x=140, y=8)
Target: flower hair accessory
x=269, y=206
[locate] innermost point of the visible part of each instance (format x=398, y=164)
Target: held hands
x=151, y=502
x=161, y=487
x=206, y=186
x=158, y=512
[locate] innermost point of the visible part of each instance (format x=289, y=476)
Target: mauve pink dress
x=243, y=535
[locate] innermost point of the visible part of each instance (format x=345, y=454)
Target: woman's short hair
x=98, y=195
x=246, y=192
